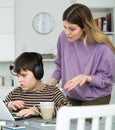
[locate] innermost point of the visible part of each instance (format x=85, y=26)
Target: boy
x=25, y=99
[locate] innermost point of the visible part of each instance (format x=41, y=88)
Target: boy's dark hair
x=30, y=61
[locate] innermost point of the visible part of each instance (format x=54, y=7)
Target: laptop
x=5, y=114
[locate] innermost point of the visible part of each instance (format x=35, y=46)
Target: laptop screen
x=4, y=112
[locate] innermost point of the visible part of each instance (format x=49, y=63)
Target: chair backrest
x=66, y=114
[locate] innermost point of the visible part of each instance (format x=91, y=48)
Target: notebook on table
x=5, y=114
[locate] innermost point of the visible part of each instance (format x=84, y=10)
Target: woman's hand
x=14, y=105
x=77, y=81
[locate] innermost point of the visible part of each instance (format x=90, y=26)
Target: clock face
x=43, y=23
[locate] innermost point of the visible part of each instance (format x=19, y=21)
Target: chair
x=66, y=114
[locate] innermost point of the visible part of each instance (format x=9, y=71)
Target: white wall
x=26, y=38
x=7, y=34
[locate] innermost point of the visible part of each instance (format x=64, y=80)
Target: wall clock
x=43, y=23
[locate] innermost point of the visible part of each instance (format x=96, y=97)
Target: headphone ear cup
x=38, y=71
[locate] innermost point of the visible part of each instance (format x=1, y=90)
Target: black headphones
x=38, y=70
x=11, y=67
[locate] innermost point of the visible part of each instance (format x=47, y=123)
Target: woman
x=85, y=60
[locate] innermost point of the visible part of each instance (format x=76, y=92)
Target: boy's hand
x=14, y=105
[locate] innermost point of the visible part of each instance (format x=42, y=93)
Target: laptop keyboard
x=18, y=117
x=15, y=116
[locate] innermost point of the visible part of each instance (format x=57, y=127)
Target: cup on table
x=47, y=110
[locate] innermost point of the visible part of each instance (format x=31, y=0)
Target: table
x=36, y=123
x=39, y=124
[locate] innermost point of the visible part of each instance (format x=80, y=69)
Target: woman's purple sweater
x=96, y=59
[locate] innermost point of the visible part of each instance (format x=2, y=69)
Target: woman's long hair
x=81, y=15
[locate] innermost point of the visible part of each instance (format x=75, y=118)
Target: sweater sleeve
x=59, y=99
x=10, y=96
x=57, y=72
x=105, y=71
